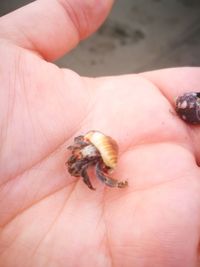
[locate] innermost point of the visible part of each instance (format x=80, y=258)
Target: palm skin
x=49, y=218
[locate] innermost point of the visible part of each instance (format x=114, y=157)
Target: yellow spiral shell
x=107, y=147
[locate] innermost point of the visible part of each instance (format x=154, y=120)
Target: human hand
x=49, y=218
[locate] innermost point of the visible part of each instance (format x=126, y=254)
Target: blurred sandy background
x=138, y=35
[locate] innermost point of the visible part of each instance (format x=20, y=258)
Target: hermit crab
x=94, y=149
x=188, y=107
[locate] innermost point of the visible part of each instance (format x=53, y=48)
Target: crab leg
x=108, y=180
x=86, y=178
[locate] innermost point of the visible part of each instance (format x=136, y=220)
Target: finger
x=53, y=27
x=174, y=82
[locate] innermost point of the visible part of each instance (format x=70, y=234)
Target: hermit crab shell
x=107, y=147
x=188, y=107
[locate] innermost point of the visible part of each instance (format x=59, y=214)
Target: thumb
x=53, y=27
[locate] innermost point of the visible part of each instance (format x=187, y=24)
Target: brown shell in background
x=107, y=147
x=188, y=107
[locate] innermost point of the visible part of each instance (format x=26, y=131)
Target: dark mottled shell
x=107, y=147
x=188, y=107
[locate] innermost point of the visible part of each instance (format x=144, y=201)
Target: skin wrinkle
x=13, y=238
x=20, y=207
x=4, y=126
x=80, y=19
x=192, y=142
x=29, y=170
x=10, y=244
x=90, y=106
x=46, y=196
x=36, y=202
x=27, y=109
x=162, y=92
x=154, y=186
x=101, y=205
x=102, y=220
x=134, y=211
x=170, y=102
x=159, y=85
x=97, y=206
x=167, y=140
x=198, y=253
x=154, y=256
x=107, y=240
x=11, y=100
x=46, y=157
x=158, y=185
x=56, y=218
x=30, y=44
x=72, y=15
x=143, y=144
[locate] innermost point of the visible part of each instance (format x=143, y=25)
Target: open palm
x=49, y=218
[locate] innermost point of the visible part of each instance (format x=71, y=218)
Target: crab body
x=94, y=149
